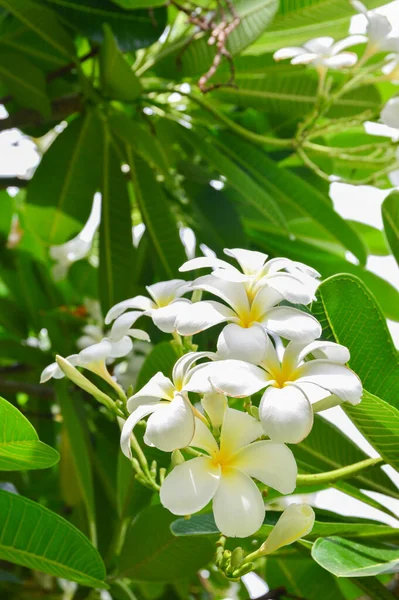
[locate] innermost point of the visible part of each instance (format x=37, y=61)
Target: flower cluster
x=264, y=344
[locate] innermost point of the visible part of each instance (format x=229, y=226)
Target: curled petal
x=292, y=324
x=337, y=379
x=96, y=352
x=140, y=302
x=122, y=348
x=233, y=293
x=139, y=334
x=238, y=505
x=237, y=378
x=238, y=430
x=164, y=292
x=296, y=522
x=293, y=289
x=351, y=40
x=215, y=405
x=172, y=425
x=185, y=366
x=271, y=463
x=286, y=414
x=142, y=411
x=165, y=317
x=202, y=315
x=243, y=343
x=250, y=261
x=202, y=262
x=159, y=387
x=190, y=486
x=123, y=323
x=296, y=352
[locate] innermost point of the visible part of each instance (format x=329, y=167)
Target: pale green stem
x=337, y=474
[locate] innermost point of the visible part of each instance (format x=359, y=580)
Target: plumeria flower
x=390, y=113
x=251, y=306
x=292, y=385
x=224, y=475
x=163, y=306
x=322, y=53
x=377, y=30
x=171, y=424
x=295, y=523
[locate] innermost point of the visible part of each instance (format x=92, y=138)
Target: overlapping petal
x=242, y=343
x=238, y=430
x=337, y=379
x=292, y=324
x=172, y=425
x=286, y=414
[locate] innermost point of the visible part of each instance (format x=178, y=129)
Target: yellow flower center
x=222, y=458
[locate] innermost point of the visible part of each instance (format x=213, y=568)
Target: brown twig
x=60, y=109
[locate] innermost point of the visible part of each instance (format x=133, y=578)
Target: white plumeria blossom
x=294, y=387
x=390, y=113
x=377, y=30
x=171, y=424
x=224, y=475
x=295, y=523
x=251, y=297
x=163, y=306
x=323, y=53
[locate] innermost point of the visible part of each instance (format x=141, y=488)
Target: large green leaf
x=161, y=358
x=116, y=242
x=43, y=22
x=131, y=496
x=134, y=4
x=77, y=434
x=281, y=183
x=132, y=29
x=20, y=447
x=186, y=59
x=24, y=81
x=117, y=77
x=390, y=216
x=300, y=20
x=280, y=244
x=350, y=315
x=345, y=558
x=35, y=537
x=378, y=421
x=161, y=224
x=152, y=553
x=60, y=195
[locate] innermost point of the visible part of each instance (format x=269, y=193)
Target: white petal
x=314, y=393
x=342, y=60
x=164, y=292
x=203, y=438
x=292, y=324
x=131, y=422
x=215, y=405
x=243, y=343
x=296, y=352
x=351, y=40
x=337, y=379
x=359, y=6
x=250, y=261
x=304, y=59
x=158, y=386
x=231, y=275
x=286, y=414
x=172, y=425
x=140, y=302
x=296, y=522
x=238, y=430
x=185, y=364
x=202, y=315
x=319, y=45
x=123, y=323
x=265, y=298
x=139, y=334
x=291, y=266
x=378, y=28
x=121, y=348
x=234, y=294
x=271, y=463
x=96, y=352
x=237, y=378
x=288, y=52
x=390, y=113
x=205, y=261
x=165, y=317
x=292, y=288
x=238, y=505
x=190, y=486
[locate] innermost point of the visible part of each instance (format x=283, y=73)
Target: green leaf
x=161, y=224
x=180, y=59
x=350, y=315
x=60, y=195
x=25, y=82
x=116, y=242
x=327, y=263
x=117, y=77
x=134, y=4
x=378, y=421
x=251, y=192
x=131, y=496
x=290, y=92
x=372, y=237
x=139, y=140
x=132, y=29
x=301, y=20
x=43, y=22
x=20, y=447
x=390, y=216
x=152, y=553
x=161, y=358
x=345, y=558
x=37, y=538
x=281, y=183
x=74, y=423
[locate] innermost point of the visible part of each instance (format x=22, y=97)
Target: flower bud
x=296, y=521
x=177, y=458
x=254, y=412
x=237, y=557
x=247, y=568
x=80, y=380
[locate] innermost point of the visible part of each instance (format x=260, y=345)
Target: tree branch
x=34, y=389
x=61, y=108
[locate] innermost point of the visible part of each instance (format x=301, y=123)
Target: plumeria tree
x=181, y=305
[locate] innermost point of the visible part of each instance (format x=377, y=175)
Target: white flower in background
x=163, y=307
x=390, y=113
x=295, y=387
x=79, y=247
x=295, y=523
x=251, y=296
x=322, y=53
x=225, y=475
x=377, y=30
x=171, y=424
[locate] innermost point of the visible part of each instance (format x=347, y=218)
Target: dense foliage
x=203, y=125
